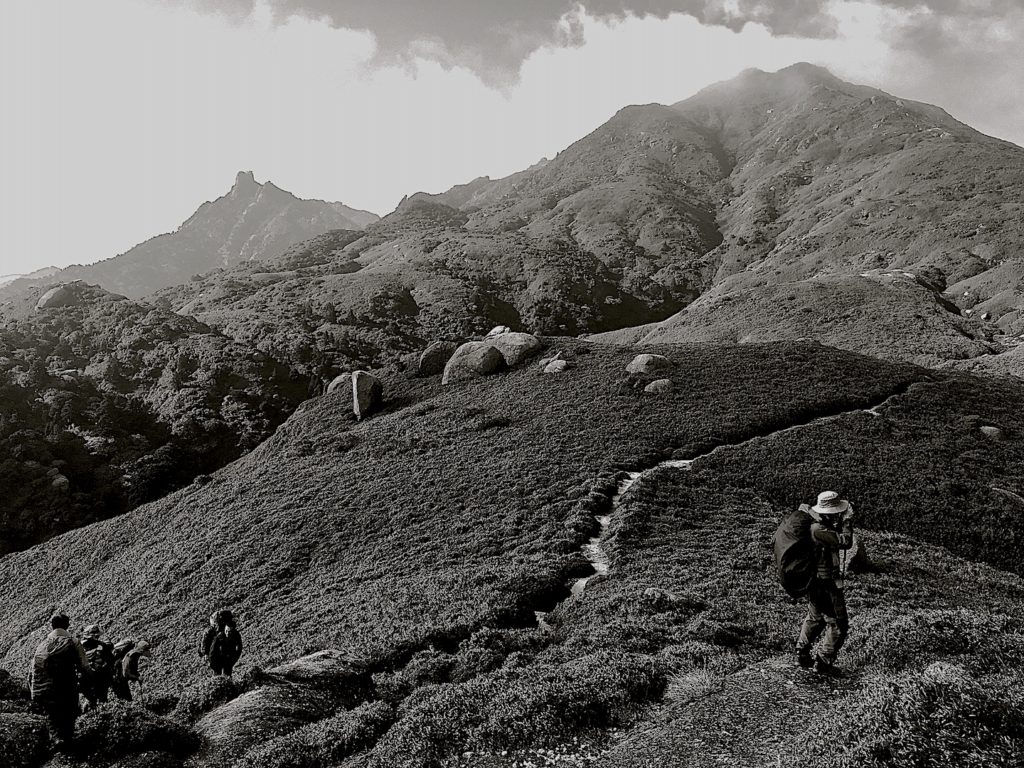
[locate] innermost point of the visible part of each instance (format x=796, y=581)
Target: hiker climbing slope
x=100, y=656
x=831, y=533
x=127, y=654
x=222, y=643
x=56, y=665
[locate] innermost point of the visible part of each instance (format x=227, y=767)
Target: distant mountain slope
x=109, y=403
x=881, y=313
x=251, y=222
x=39, y=274
x=766, y=180
x=831, y=177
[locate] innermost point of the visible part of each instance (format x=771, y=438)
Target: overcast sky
x=119, y=117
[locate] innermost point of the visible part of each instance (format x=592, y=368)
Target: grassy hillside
x=419, y=543
x=336, y=526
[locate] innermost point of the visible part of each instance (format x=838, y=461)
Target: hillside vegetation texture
x=386, y=573
x=792, y=203
x=110, y=403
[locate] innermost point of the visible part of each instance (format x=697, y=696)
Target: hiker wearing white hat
x=831, y=532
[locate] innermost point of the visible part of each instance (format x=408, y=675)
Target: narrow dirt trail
x=594, y=549
x=751, y=715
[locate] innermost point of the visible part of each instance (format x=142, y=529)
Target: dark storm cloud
x=493, y=37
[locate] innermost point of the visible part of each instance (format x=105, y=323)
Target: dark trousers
x=222, y=667
x=62, y=714
x=96, y=694
x=121, y=689
x=826, y=612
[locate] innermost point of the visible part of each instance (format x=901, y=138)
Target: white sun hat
x=829, y=503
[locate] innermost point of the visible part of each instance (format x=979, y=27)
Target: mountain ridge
x=250, y=222
x=768, y=179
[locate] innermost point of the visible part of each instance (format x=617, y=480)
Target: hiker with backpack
x=810, y=546
x=56, y=665
x=222, y=643
x=127, y=655
x=100, y=656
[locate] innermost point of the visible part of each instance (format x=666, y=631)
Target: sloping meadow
x=443, y=514
x=420, y=542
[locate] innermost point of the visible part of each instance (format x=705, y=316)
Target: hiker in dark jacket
x=222, y=644
x=127, y=655
x=832, y=534
x=100, y=656
x=56, y=665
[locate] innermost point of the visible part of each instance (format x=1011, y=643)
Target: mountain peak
x=244, y=180
x=807, y=70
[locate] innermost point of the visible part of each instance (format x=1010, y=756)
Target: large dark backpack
x=794, y=552
x=121, y=649
x=100, y=660
x=226, y=645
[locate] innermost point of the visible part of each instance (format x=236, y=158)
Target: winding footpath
x=594, y=551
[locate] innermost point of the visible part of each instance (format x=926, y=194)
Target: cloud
x=965, y=56
x=494, y=37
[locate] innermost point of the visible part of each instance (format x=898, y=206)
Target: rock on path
x=647, y=363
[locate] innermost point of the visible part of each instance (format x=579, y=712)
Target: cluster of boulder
x=499, y=350
x=502, y=348
x=651, y=365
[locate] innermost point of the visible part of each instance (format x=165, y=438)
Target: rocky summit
x=251, y=222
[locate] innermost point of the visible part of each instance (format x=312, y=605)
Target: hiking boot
x=804, y=659
x=825, y=668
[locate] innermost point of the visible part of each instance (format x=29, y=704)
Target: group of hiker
x=809, y=547
x=64, y=667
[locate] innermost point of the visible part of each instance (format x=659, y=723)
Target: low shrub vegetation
x=324, y=743
x=24, y=740
x=203, y=696
x=938, y=716
x=116, y=731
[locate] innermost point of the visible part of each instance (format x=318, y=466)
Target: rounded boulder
x=339, y=381
x=659, y=387
x=435, y=357
x=498, y=330
x=516, y=347
x=58, y=296
x=993, y=433
x=471, y=361
x=557, y=366
x=647, y=363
